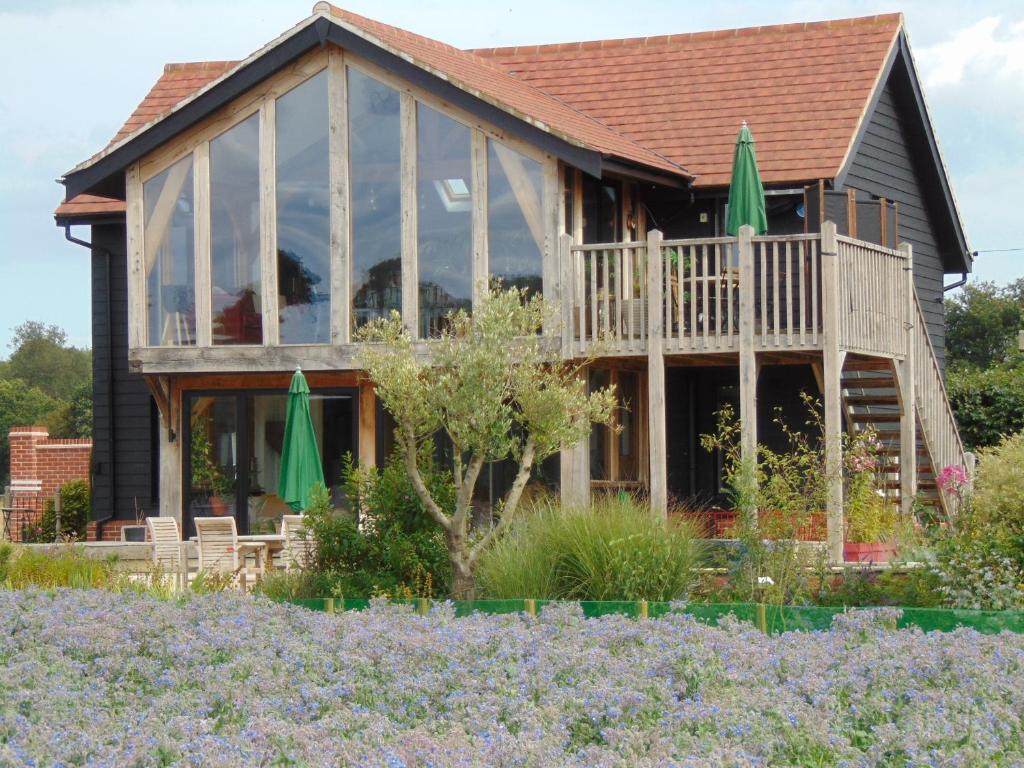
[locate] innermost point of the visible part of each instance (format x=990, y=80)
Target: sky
x=73, y=70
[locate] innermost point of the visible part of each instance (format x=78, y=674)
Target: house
x=250, y=215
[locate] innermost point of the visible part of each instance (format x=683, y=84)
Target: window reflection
x=303, y=214
x=235, y=235
x=170, y=256
x=374, y=176
x=444, y=218
x=515, y=231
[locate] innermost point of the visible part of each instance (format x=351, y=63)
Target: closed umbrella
x=300, y=457
x=746, y=194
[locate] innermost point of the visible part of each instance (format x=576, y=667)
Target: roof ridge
x=714, y=34
x=181, y=66
x=368, y=25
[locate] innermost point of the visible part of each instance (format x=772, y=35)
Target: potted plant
x=871, y=517
x=211, y=490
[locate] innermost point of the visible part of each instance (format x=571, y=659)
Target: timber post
x=656, y=378
x=907, y=397
x=832, y=366
x=748, y=359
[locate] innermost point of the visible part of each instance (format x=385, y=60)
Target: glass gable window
x=515, y=230
x=444, y=218
x=235, y=235
x=303, y=214
x=170, y=256
x=375, y=179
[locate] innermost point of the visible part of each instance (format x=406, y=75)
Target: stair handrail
x=927, y=365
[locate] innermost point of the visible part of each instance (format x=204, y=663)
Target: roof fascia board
x=85, y=219
x=901, y=52
x=935, y=154
x=105, y=176
x=587, y=160
x=869, y=110
x=611, y=165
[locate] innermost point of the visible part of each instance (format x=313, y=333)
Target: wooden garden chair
x=168, y=548
x=220, y=551
x=299, y=547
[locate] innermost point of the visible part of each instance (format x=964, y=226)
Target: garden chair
x=168, y=548
x=220, y=551
x=299, y=547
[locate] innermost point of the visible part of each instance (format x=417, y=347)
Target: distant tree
x=42, y=359
x=74, y=418
x=982, y=323
x=20, y=405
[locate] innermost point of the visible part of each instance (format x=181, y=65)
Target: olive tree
x=489, y=383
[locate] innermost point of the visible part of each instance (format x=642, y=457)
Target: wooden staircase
x=871, y=401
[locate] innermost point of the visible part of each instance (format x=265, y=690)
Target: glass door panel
x=213, y=458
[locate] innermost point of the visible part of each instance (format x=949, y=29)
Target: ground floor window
x=234, y=446
x=617, y=450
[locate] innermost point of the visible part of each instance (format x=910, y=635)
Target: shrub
x=76, y=506
x=999, y=488
x=616, y=550
x=988, y=403
x=65, y=566
x=386, y=544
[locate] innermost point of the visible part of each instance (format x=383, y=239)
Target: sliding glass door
x=234, y=445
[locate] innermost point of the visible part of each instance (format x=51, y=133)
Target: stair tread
x=872, y=400
x=875, y=417
x=869, y=382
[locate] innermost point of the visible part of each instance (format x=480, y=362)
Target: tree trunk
x=463, y=585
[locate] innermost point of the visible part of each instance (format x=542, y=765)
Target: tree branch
x=511, y=501
x=465, y=496
x=412, y=467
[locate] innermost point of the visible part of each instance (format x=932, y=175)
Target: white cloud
x=984, y=48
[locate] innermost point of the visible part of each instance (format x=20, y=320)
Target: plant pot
x=869, y=552
x=133, y=533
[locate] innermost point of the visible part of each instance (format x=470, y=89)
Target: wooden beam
x=410, y=271
x=134, y=219
x=851, y=212
x=656, y=378
x=552, y=203
x=747, y=356
x=268, y=222
x=832, y=366
x=478, y=171
x=170, y=456
x=203, y=248
x=905, y=376
x=341, y=244
x=367, y=424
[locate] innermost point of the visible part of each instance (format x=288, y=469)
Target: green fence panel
x=777, y=619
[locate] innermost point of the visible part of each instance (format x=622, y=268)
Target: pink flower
x=952, y=479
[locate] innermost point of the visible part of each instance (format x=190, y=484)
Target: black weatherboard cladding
x=122, y=459
x=885, y=166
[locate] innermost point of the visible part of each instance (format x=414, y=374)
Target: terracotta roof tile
x=802, y=88
x=491, y=82
x=88, y=205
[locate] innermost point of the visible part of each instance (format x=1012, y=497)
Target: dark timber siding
x=126, y=456
x=884, y=166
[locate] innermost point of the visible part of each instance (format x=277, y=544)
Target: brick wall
x=41, y=465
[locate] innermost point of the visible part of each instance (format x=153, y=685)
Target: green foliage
x=988, y=403
x=206, y=475
x=998, y=498
x=300, y=583
x=64, y=566
x=76, y=505
x=616, y=550
x=864, y=587
x=870, y=515
x=490, y=387
x=6, y=553
x=982, y=322
x=74, y=419
x=42, y=359
x=20, y=405
x=392, y=547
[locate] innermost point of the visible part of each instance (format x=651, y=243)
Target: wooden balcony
x=701, y=285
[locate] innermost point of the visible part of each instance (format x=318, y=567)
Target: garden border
x=772, y=619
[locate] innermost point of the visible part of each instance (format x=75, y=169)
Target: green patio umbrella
x=746, y=194
x=300, y=457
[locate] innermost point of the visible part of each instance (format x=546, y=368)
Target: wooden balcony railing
x=875, y=314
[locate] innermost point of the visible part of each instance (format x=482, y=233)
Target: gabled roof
x=802, y=88
x=468, y=80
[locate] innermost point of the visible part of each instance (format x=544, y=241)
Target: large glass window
x=375, y=180
x=444, y=218
x=170, y=256
x=515, y=231
x=303, y=214
x=235, y=235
